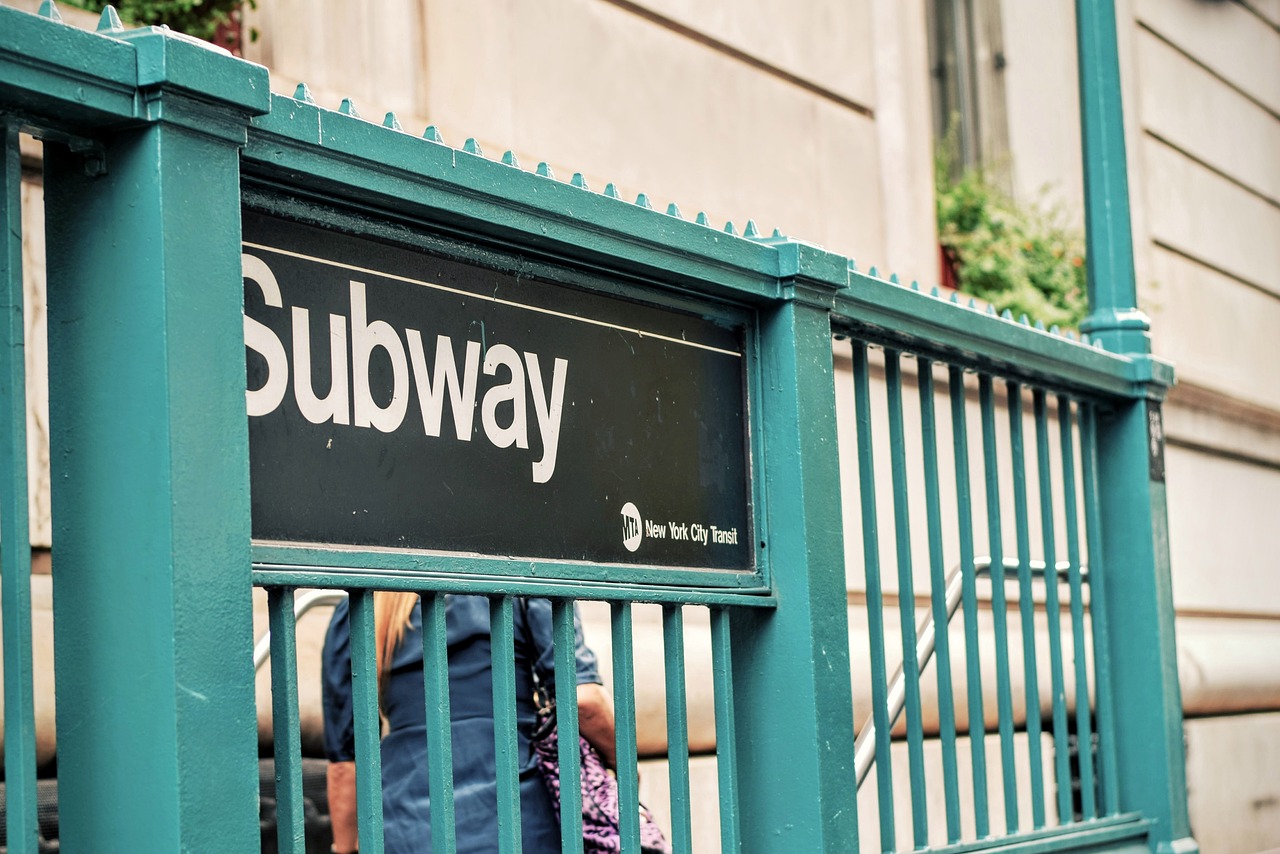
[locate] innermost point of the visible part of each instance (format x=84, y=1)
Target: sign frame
x=608, y=278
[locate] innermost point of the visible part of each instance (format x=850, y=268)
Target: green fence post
x=1134, y=564
x=157, y=737
x=793, y=699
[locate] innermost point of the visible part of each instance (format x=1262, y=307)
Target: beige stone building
x=819, y=117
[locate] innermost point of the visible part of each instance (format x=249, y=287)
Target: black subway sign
x=400, y=399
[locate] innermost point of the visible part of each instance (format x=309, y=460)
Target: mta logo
x=631, y=534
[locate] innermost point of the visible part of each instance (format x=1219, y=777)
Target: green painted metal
x=906, y=598
x=1026, y=604
x=875, y=595
x=1080, y=659
x=969, y=596
x=726, y=736
x=1044, y=461
x=999, y=602
x=286, y=727
x=379, y=565
x=562, y=627
x=1099, y=613
x=336, y=577
x=1123, y=834
x=368, y=726
x=938, y=599
x=1133, y=539
x=890, y=314
x=21, y=823
x=435, y=668
x=794, y=659
x=1114, y=318
x=1135, y=554
x=677, y=728
x=624, y=696
x=151, y=477
x=73, y=78
x=506, y=742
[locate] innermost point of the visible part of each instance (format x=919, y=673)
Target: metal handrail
x=301, y=605
x=864, y=747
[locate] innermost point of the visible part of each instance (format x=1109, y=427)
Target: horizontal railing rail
x=963, y=333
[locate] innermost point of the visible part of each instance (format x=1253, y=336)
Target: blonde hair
x=392, y=615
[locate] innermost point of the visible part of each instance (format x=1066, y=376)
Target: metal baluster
x=999, y=604
x=506, y=739
x=677, y=728
x=1084, y=723
x=624, y=698
x=368, y=727
x=286, y=728
x=938, y=596
x=1062, y=760
x=969, y=596
x=726, y=744
x=875, y=595
x=906, y=598
x=1098, y=612
x=562, y=613
x=21, y=820
x=1026, y=605
x=435, y=673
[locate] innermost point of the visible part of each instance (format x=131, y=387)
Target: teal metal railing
x=932, y=632
x=876, y=359
x=279, y=646
x=21, y=822
x=155, y=561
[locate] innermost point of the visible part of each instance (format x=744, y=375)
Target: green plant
x=1015, y=257
x=199, y=18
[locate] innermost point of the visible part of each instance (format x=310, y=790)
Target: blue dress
x=406, y=801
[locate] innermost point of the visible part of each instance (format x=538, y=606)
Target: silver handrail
x=301, y=605
x=864, y=747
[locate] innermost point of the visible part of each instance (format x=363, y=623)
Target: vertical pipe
x=624, y=697
x=726, y=749
x=999, y=604
x=1084, y=723
x=1132, y=502
x=938, y=596
x=562, y=626
x=435, y=674
x=875, y=594
x=1114, y=318
x=506, y=740
x=906, y=598
x=1107, y=763
x=1026, y=604
x=21, y=821
x=969, y=599
x=368, y=726
x=1062, y=758
x=677, y=728
x=286, y=728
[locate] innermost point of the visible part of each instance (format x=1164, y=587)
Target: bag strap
x=544, y=696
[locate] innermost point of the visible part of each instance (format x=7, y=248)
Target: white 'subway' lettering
x=454, y=373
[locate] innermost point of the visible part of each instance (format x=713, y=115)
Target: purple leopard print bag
x=599, y=792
